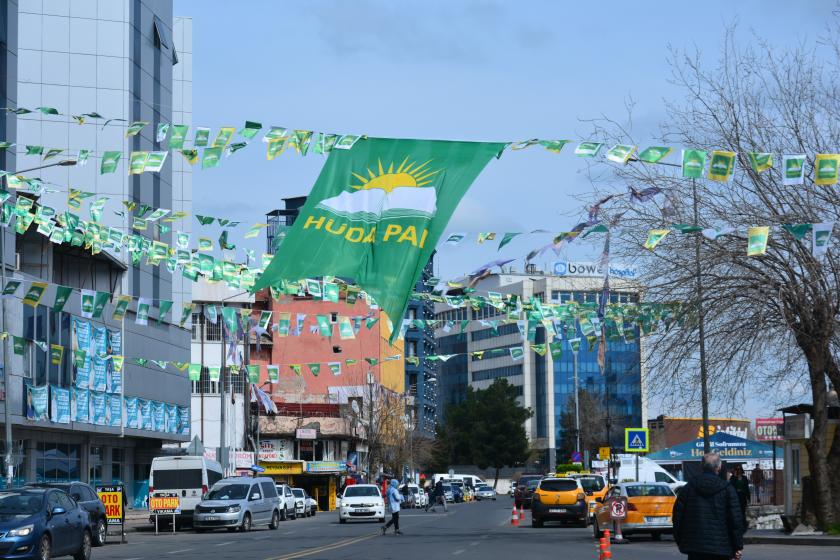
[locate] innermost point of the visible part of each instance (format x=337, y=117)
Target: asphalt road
x=475, y=530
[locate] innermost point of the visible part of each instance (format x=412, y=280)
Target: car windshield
x=592, y=483
x=297, y=492
x=414, y=490
x=482, y=488
x=532, y=484
x=20, y=503
x=360, y=491
x=458, y=484
x=447, y=488
x=229, y=492
x=638, y=490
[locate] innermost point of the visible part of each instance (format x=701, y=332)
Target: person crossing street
x=394, y=500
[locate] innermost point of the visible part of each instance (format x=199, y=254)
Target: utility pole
x=577, y=406
x=201, y=377
x=222, y=401
x=701, y=326
x=7, y=371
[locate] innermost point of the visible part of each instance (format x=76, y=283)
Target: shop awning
x=731, y=448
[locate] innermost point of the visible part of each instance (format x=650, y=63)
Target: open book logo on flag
x=392, y=193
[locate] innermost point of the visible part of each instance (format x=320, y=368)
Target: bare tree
x=771, y=321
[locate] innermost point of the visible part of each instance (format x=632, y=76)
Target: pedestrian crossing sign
x=636, y=440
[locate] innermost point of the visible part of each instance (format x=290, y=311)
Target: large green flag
x=375, y=215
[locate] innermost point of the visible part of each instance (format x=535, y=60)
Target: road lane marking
x=179, y=551
x=459, y=551
x=474, y=543
x=324, y=548
x=223, y=543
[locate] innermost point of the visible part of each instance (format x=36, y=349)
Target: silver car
x=484, y=493
x=238, y=503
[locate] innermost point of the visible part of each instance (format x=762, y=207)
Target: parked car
x=41, y=523
x=649, y=509
x=288, y=507
x=525, y=486
x=484, y=492
x=418, y=497
x=88, y=499
x=559, y=499
x=448, y=493
x=304, y=505
x=239, y=503
x=457, y=494
x=189, y=476
x=361, y=501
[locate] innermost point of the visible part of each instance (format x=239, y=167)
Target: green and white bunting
x=793, y=169
x=757, y=238
x=693, y=162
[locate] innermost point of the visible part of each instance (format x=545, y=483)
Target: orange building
x=318, y=434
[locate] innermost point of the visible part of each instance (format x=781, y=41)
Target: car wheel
x=656, y=536
x=198, y=530
x=293, y=515
x=595, y=530
x=283, y=514
x=101, y=533
x=342, y=520
x=232, y=529
x=84, y=552
x=45, y=548
x=382, y=519
x=536, y=523
x=275, y=520
x=246, y=523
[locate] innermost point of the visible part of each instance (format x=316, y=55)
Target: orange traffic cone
x=522, y=513
x=514, y=518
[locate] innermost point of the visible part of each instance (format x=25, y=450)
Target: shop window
x=57, y=462
x=117, y=465
x=95, y=465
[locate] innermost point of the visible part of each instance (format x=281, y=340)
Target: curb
x=792, y=540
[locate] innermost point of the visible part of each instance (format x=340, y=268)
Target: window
x=495, y=373
x=170, y=479
x=483, y=334
x=268, y=490
x=213, y=477
x=196, y=328
x=794, y=470
x=204, y=385
x=117, y=460
x=411, y=348
x=95, y=465
x=561, y=485
x=213, y=333
x=65, y=501
x=53, y=500
x=662, y=477
x=57, y=462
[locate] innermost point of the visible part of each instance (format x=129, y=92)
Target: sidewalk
x=778, y=537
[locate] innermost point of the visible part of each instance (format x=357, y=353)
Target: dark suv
x=525, y=487
x=88, y=500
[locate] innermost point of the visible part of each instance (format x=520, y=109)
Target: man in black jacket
x=707, y=516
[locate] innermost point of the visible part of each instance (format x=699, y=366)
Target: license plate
x=657, y=520
x=211, y=518
x=360, y=511
x=557, y=510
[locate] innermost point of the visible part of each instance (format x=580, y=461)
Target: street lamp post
x=7, y=413
x=701, y=324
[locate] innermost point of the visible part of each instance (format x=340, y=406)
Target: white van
x=189, y=476
x=649, y=471
x=470, y=480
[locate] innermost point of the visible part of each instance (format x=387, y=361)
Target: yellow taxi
x=558, y=499
x=594, y=486
x=649, y=509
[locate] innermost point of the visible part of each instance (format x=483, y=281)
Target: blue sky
x=483, y=70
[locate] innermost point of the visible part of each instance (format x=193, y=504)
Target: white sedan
x=305, y=505
x=419, y=497
x=361, y=501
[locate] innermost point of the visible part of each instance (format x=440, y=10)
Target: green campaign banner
x=376, y=213
x=253, y=373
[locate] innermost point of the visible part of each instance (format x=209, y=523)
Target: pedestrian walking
x=708, y=524
x=757, y=477
x=742, y=488
x=394, y=499
x=438, y=496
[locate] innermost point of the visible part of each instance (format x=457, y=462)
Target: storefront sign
x=593, y=270
x=112, y=498
x=306, y=433
x=324, y=466
x=291, y=467
x=276, y=450
x=165, y=503
x=243, y=459
x=769, y=429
